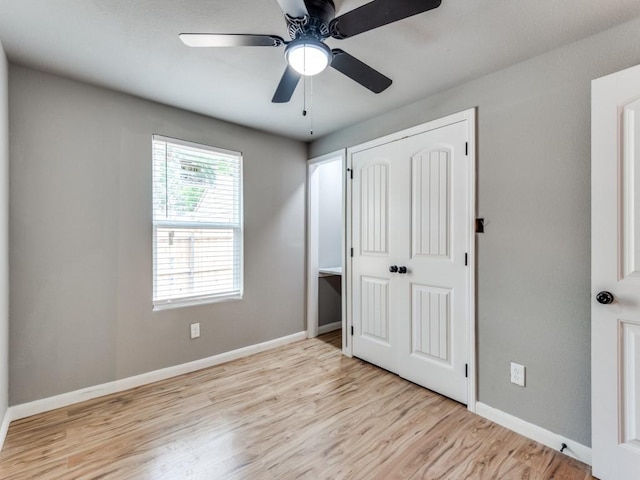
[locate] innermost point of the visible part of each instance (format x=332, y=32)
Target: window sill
x=194, y=302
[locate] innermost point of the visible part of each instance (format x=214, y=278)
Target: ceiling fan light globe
x=308, y=57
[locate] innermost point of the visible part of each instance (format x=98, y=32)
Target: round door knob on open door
x=402, y=269
x=605, y=297
x=393, y=268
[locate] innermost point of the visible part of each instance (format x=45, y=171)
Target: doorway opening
x=326, y=245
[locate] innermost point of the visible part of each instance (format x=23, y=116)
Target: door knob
x=402, y=269
x=604, y=297
x=393, y=268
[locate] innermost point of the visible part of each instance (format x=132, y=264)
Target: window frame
x=238, y=232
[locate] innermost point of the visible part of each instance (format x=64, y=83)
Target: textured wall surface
x=533, y=295
x=81, y=236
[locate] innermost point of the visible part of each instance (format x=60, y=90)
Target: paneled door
x=410, y=279
x=615, y=275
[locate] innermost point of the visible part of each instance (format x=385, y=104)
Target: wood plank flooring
x=302, y=411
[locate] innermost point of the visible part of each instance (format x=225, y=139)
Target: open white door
x=615, y=276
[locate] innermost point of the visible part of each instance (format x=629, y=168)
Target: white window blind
x=197, y=223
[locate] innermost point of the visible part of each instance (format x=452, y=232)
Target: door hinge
x=466, y=259
x=352, y=251
x=350, y=173
x=351, y=330
x=479, y=225
x=466, y=149
x=466, y=370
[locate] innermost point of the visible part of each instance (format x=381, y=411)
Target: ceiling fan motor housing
x=317, y=24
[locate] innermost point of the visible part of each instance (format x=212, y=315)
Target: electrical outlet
x=517, y=374
x=195, y=330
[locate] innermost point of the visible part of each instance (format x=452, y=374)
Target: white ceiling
x=133, y=46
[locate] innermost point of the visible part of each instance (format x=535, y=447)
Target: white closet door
x=378, y=230
x=433, y=340
x=411, y=211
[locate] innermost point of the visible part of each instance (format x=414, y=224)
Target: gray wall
x=534, y=192
x=330, y=214
x=4, y=235
x=80, y=231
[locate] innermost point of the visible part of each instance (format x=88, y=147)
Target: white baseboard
x=24, y=410
x=330, y=327
x=534, y=432
x=4, y=427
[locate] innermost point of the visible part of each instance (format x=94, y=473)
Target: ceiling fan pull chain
x=311, y=105
x=304, y=96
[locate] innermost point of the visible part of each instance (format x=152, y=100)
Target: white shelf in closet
x=329, y=271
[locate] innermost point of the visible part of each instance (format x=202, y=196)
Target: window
x=197, y=223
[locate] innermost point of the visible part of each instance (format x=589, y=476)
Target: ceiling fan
x=310, y=23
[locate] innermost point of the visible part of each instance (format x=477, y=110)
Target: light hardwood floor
x=299, y=411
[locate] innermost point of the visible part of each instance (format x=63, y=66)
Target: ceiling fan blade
x=293, y=8
x=376, y=14
x=229, y=40
x=359, y=71
x=287, y=86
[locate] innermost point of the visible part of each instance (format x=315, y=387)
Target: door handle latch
x=604, y=297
